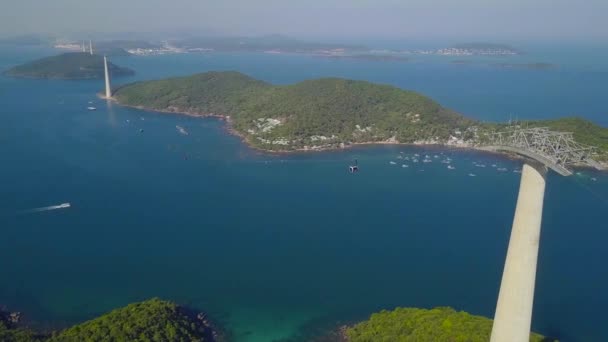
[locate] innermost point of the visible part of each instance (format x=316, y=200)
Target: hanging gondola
x=354, y=168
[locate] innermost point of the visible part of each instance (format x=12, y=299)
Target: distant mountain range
x=268, y=43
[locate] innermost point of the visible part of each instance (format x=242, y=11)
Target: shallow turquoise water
x=278, y=247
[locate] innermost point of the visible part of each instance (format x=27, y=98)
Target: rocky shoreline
x=11, y=326
x=245, y=139
x=11, y=319
x=335, y=147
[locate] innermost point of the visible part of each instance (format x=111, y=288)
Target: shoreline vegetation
x=328, y=113
x=67, y=66
x=157, y=320
x=152, y=320
x=442, y=324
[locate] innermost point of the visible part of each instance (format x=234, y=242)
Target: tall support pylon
x=513, y=316
x=84, y=48
x=91, y=46
x=107, y=77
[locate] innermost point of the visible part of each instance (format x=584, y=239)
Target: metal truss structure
x=556, y=150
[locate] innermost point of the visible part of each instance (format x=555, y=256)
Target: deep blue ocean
x=282, y=247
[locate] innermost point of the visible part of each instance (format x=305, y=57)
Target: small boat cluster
x=406, y=160
x=426, y=159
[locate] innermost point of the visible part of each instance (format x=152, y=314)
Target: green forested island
x=326, y=113
x=412, y=325
x=153, y=320
x=313, y=114
x=71, y=65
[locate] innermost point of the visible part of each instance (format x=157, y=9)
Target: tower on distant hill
x=107, y=77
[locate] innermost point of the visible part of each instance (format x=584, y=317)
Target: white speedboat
x=472, y=175
x=91, y=108
x=450, y=167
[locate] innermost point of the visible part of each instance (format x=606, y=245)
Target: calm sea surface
x=281, y=247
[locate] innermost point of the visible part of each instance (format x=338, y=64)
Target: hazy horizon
x=467, y=20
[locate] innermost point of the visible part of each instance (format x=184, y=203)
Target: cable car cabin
x=354, y=167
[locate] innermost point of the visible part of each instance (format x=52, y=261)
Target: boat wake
x=52, y=207
x=181, y=130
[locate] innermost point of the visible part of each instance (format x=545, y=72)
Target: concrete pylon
x=91, y=46
x=107, y=77
x=513, y=316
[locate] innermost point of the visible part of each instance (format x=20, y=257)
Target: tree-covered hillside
x=415, y=325
x=71, y=65
x=315, y=113
x=151, y=321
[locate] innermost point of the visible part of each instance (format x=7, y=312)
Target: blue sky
x=391, y=19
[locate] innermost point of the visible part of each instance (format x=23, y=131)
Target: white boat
x=91, y=108
x=64, y=205
x=593, y=179
x=501, y=169
x=450, y=167
x=392, y=162
x=472, y=175
x=404, y=165
x=517, y=171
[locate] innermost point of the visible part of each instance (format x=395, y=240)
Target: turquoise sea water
x=282, y=247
